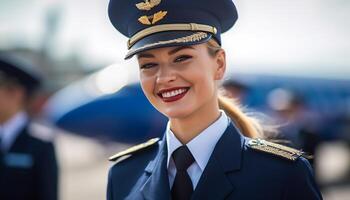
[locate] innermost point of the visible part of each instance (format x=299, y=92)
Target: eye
x=148, y=65
x=182, y=58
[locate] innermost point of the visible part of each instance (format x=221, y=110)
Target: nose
x=165, y=75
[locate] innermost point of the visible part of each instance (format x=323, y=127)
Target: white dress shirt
x=11, y=128
x=201, y=147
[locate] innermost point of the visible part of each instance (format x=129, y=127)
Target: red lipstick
x=167, y=97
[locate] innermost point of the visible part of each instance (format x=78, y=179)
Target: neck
x=187, y=128
x=4, y=117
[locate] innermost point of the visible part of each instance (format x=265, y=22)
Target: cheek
x=4, y=95
x=205, y=83
x=204, y=74
x=6, y=100
x=147, y=85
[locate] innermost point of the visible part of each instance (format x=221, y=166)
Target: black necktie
x=182, y=188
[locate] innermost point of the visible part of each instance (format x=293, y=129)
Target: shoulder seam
x=134, y=149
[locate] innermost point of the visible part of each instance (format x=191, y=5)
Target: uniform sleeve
x=301, y=184
x=47, y=179
x=110, y=186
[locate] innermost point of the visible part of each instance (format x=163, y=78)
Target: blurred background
x=287, y=59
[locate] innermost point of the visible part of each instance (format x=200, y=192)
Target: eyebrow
x=145, y=55
x=173, y=51
x=179, y=49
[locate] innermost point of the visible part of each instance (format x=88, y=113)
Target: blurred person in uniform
x=210, y=149
x=235, y=90
x=299, y=126
x=28, y=165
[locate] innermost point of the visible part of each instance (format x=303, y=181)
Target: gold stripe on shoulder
x=276, y=149
x=134, y=149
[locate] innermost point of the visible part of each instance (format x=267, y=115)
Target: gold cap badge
x=148, y=20
x=148, y=4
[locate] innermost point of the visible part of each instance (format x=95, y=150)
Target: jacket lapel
x=226, y=158
x=20, y=142
x=157, y=185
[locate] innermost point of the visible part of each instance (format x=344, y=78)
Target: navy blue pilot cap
x=151, y=24
x=20, y=72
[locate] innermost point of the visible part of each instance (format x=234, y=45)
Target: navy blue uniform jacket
x=28, y=171
x=234, y=171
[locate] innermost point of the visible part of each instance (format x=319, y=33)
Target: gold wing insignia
x=155, y=2
x=276, y=149
x=134, y=149
x=148, y=4
x=144, y=20
x=148, y=20
x=158, y=16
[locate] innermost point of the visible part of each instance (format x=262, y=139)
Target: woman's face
x=11, y=100
x=180, y=81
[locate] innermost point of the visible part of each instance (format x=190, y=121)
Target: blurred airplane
x=106, y=105
x=326, y=101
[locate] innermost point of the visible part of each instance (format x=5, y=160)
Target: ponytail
x=248, y=126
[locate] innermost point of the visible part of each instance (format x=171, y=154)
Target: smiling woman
x=181, y=82
x=210, y=149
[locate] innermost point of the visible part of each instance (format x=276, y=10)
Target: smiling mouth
x=173, y=94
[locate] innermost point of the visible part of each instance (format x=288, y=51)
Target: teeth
x=173, y=93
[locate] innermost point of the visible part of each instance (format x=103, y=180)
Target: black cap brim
x=14, y=68
x=168, y=39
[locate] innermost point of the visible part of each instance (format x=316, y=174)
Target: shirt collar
x=207, y=138
x=12, y=128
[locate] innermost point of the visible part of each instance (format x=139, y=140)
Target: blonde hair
x=248, y=125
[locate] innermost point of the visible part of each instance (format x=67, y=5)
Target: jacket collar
x=225, y=159
x=157, y=186
x=11, y=130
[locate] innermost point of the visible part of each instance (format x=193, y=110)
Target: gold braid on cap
x=191, y=38
x=170, y=27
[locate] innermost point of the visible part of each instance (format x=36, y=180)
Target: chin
x=176, y=112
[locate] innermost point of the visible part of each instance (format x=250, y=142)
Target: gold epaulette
x=134, y=149
x=276, y=149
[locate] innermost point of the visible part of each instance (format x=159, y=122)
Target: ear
x=221, y=64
